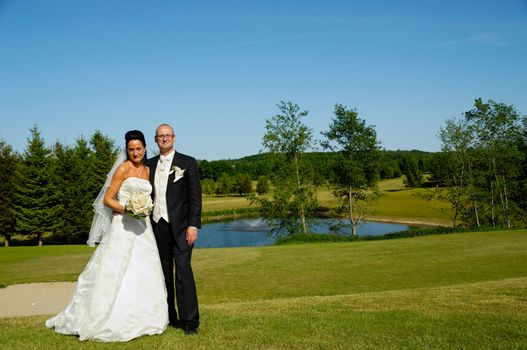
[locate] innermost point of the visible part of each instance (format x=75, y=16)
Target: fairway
x=397, y=204
x=464, y=290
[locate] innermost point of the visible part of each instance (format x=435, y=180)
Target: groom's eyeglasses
x=166, y=136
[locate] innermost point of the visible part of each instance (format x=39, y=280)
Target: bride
x=121, y=293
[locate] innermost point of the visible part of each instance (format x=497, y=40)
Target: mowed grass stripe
x=236, y=274
x=507, y=295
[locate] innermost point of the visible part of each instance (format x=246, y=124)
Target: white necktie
x=161, y=177
x=164, y=162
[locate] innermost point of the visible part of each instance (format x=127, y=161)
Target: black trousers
x=185, y=287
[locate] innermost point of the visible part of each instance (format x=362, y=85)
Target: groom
x=175, y=221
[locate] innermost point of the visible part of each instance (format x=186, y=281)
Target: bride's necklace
x=139, y=170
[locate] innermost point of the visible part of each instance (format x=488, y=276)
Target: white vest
x=160, y=184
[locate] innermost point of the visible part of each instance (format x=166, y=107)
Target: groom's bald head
x=164, y=126
x=165, y=138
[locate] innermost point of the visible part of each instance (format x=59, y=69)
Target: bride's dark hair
x=134, y=135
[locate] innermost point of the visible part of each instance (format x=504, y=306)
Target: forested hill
x=392, y=164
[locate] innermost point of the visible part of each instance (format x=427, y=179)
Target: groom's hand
x=192, y=235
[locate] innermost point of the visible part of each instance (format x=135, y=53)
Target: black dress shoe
x=176, y=324
x=191, y=330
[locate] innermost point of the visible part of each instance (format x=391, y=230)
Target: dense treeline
x=46, y=193
x=393, y=164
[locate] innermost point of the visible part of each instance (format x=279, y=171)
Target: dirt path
x=35, y=298
x=404, y=221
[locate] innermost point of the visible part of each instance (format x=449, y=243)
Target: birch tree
x=293, y=204
x=356, y=173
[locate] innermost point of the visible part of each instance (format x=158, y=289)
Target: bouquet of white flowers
x=139, y=205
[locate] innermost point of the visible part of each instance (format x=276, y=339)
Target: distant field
x=213, y=203
x=400, y=203
x=397, y=204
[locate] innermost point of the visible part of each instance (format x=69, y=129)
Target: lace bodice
x=132, y=185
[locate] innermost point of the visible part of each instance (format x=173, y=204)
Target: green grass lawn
x=466, y=290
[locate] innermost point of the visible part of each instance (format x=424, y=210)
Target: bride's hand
x=115, y=212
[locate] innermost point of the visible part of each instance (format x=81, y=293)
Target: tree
x=92, y=167
x=243, y=184
x=71, y=172
x=520, y=196
x=457, y=166
x=8, y=165
x=497, y=130
x=293, y=204
x=356, y=172
x=387, y=170
x=208, y=186
x=262, y=186
x=83, y=190
x=224, y=184
x=482, y=164
x=99, y=161
x=60, y=184
x=35, y=206
x=412, y=172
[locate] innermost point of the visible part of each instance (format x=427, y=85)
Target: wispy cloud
x=340, y=25
x=267, y=41
x=500, y=38
x=484, y=38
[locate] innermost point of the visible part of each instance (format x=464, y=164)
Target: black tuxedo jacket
x=183, y=197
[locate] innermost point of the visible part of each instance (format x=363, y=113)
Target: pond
x=253, y=232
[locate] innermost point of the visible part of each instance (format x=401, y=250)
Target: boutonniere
x=178, y=172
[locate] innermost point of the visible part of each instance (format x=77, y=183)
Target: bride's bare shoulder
x=147, y=171
x=123, y=169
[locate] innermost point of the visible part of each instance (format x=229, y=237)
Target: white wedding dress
x=121, y=293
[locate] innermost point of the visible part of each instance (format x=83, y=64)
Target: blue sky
x=215, y=70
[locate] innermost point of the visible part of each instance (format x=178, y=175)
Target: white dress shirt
x=160, y=182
